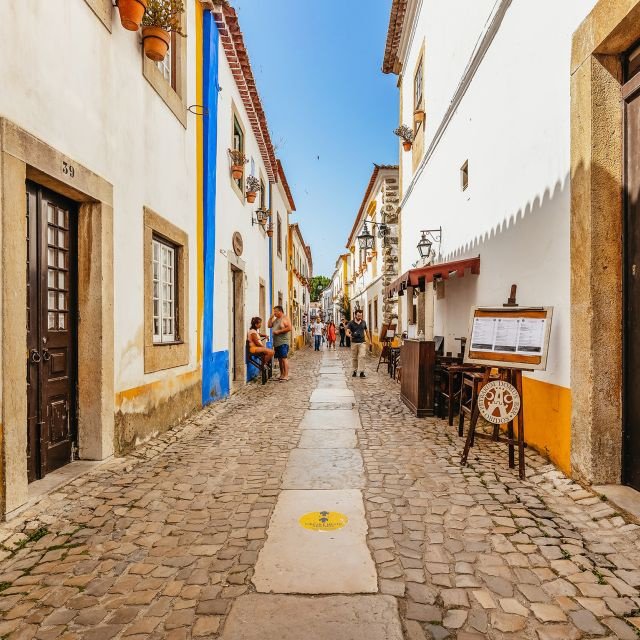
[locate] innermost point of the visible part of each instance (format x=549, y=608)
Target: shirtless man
x=281, y=326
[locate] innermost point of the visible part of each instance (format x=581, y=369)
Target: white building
x=489, y=100
x=373, y=268
x=100, y=141
x=250, y=238
x=300, y=273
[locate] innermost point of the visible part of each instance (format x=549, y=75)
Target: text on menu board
x=524, y=336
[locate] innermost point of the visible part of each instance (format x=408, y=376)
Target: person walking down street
x=359, y=334
x=318, y=333
x=331, y=336
x=281, y=326
x=343, y=332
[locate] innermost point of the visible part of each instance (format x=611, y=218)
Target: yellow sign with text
x=323, y=521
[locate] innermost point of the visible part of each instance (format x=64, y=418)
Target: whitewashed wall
x=280, y=206
x=65, y=78
x=513, y=128
x=235, y=214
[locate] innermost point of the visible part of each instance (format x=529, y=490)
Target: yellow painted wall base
x=547, y=415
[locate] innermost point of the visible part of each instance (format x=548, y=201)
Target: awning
x=419, y=278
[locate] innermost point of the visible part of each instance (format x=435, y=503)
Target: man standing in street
x=318, y=332
x=281, y=326
x=359, y=334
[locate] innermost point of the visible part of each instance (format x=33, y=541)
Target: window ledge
x=103, y=10
x=155, y=78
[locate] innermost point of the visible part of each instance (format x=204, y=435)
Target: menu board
x=510, y=336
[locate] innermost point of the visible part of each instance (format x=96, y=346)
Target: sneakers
x=354, y=374
x=362, y=374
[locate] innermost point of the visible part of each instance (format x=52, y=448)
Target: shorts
x=282, y=351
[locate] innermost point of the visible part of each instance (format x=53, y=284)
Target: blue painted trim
x=215, y=365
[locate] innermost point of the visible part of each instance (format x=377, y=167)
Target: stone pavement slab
x=332, y=395
x=264, y=617
x=328, y=439
x=331, y=419
x=324, y=469
x=298, y=560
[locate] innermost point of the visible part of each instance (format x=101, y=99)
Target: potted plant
x=406, y=134
x=161, y=19
x=238, y=160
x=253, y=186
x=131, y=13
x=270, y=230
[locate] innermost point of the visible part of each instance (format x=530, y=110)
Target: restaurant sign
x=499, y=402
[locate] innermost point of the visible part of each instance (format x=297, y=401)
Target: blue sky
x=331, y=110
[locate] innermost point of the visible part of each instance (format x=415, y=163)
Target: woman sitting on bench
x=254, y=338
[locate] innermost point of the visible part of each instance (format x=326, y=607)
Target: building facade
x=511, y=187
x=375, y=265
x=98, y=206
x=300, y=274
x=247, y=253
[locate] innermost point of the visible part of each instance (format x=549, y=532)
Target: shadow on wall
x=530, y=248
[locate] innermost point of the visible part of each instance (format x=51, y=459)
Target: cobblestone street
x=171, y=542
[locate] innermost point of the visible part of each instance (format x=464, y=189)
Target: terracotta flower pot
x=369, y=258
x=407, y=145
x=270, y=233
x=251, y=196
x=156, y=43
x=131, y=12
x=236, y=171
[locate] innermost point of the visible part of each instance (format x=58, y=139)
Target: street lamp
x=429, y=236
x=262, y=215
x=366, y=238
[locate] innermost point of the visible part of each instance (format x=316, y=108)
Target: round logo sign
x=238, y=244
x=323, y=520
x=499, y=402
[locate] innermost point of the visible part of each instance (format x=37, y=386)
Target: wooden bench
x=257, y=360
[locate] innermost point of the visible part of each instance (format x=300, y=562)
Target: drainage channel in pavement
x=316, y=541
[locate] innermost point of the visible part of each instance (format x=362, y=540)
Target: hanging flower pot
x=131, y=13
x=369, y=258
x=406, y=144
x=238, y=160
x=156, y=43
x=253, y=186
x=236, y=171
x=270, y=232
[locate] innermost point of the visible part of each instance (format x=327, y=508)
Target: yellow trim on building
x=200, y=191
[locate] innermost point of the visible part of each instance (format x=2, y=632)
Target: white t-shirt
x=317, y=328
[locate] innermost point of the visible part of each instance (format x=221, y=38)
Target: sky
x=331, y=111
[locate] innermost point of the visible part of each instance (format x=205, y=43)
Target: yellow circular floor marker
x=323, y=520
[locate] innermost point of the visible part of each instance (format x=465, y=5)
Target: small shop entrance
x=51, y=331
x=631, y=441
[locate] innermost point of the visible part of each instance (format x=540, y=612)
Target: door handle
x=46, y=356
x=35, y=356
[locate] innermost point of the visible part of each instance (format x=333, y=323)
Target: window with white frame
x=164, y=291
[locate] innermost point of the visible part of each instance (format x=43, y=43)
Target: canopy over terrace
x=419, y=278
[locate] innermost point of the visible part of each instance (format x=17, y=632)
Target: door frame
x=597, y=214
x=24, y=157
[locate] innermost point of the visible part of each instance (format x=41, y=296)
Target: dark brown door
x=631, y=440
x=51, y=330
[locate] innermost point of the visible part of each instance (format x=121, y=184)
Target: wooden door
x=631, y=440
x=51, y=330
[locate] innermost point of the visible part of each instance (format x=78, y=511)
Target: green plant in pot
x=406, y=135
x=253, y=186
x=161, y=19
